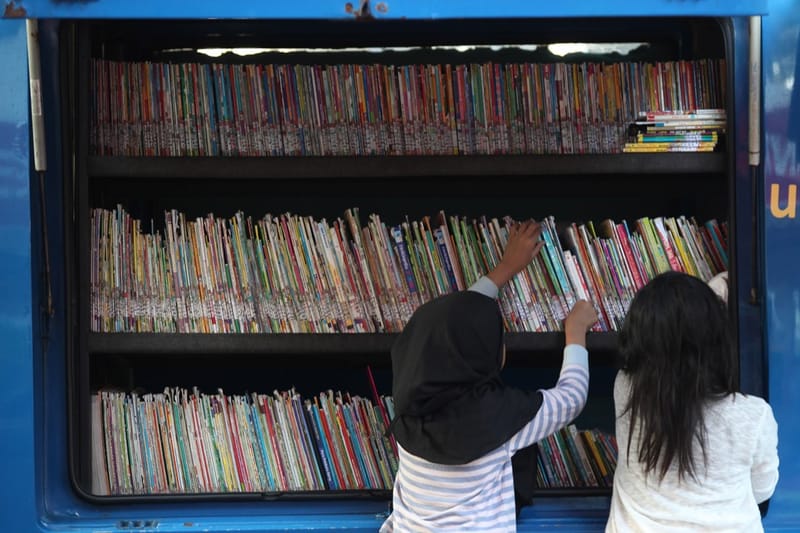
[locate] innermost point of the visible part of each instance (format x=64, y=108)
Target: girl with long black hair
x=694, y=453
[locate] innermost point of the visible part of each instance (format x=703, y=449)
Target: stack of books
x=676, y=131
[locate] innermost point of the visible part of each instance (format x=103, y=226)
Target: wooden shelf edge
x=572, y=491
x=337, y=167
x=365, y=494
x=369, y=494
x=303, y=343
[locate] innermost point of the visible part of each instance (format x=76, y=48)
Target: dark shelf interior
x=570, y=198
x=667, y=38
x=381, y=167
x=373, y=347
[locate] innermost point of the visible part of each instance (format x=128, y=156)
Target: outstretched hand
x=579, y=320
x=523, y=245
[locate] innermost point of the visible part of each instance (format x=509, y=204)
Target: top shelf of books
x=373, y=113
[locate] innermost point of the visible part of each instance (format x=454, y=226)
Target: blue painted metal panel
x=17, y=496
x=59, y=506
x=782, y=246
x=61, y=510
x=432, y=9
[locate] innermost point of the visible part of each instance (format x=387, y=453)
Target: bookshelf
x=573, y=187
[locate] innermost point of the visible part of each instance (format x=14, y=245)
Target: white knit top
x=742, y=471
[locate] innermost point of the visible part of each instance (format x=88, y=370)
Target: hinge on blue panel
x=13, y=10
x=363, y=12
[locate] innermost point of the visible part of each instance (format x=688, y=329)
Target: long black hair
x=676, y=348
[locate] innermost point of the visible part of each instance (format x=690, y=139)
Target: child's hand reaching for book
x=582, y=317
x=523, y=245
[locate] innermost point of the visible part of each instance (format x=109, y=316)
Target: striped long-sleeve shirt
x=479, y=496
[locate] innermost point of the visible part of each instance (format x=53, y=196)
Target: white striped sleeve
x=485, y=286
x=562, y=403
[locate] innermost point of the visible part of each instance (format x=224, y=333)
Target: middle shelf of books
x=297, y=274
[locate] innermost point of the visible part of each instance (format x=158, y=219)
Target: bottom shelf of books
x=184, y=442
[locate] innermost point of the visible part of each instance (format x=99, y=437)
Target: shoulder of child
x=750, y=410
x=622, y=387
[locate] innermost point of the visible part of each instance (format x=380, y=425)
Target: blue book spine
x=330, y=481
x=262, y=438
x=405, y=259
x=448, y=265
x=306, y=440
x=554, y=252
x=325, y=448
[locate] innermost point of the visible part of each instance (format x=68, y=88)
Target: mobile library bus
x=180, y=236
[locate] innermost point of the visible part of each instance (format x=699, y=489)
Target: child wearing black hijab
x=456, y=423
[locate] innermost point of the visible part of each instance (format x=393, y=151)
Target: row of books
x=296, y=274
x=182, y=441
x=692, y=131
x=572, y=458
x=187, y=442
x=195, y=109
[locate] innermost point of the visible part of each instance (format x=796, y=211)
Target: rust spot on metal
x=361, y=12
x=13, y=10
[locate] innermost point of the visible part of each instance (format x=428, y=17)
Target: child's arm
x=564, y=402
x=764, y=472
x=719, y=284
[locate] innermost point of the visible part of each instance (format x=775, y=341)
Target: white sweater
x=742, y=471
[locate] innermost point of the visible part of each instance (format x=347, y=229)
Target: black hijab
x=451, y=406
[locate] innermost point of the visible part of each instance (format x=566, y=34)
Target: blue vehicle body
x=36, y=493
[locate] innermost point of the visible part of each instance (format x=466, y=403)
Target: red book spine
x=345, y=434
x=629, y=257
x=273, y=441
